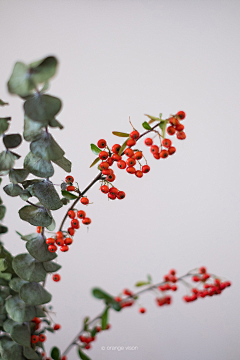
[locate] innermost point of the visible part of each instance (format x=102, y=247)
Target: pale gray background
x=121, y=59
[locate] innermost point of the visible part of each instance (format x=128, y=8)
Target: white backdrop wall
x=120, y=59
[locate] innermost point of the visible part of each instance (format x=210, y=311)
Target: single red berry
x=116, y=148
x=68, y=241
x=145, y=169
x=63, y=358
x=121, y=195
x=111, y=172
x=87, y=221
x=172, y=272
x=129, y=152
x=104, y=189
x=42, y=337
x=131, y=170
x=118, y=299
x=167, y=143
x=60, y=242
x=195, y=278
x=205, y=277
x=103, y=155
x=113, y=191
x=34, y=339
x=121, y=164
x=174, y=288
x=39, y=229
x=56, y=277
x=154, y=149
x=36, y=320
x=84, y=201
x=112, y=196
x=57, y=327
x=81, y=214
x=101, y=143
x=148, y=141
x=166, y=278
x=130, y=162
x=228, y=283
x=108, y=326
x=98, y=328
x=88, y=346
x=71, y=214
x=131, y=142
x=70, y=188
x=138, y=155
x=75, y=223
x=110, y=161
x=71, y=231
x=104, y=165
x=202, y=270
x=64, y=248
x=116, y=157
x=50, y=241
x=157, y=156
x=173, y=279
x=134, y=135
x=139, y=174
x=164, y=154
x=181, y=135
x=127, y=292
x=171, y=130
x=171, y=150
x=59, y=234
x=181, y=115
x=111, y=177
x=142, y=310
x=173, y=121
x=69, y=178
x=180, y=127
x=52, y=248
x=106, y=172
x=195, y=291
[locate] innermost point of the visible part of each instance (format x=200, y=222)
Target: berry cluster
x=87, y=338
x=60, y=240
x=39, y=337
x=113, y=193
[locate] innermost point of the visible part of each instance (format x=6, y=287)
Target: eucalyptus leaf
x=16, y=156
x=16, y=283
x=28, y=268
x=34, y=294
x=27, y=183
x=13, y=190
x=64, y=163
x=30, y=236
x=31, y=128
x=3, y=264
x=6, y=160
x=52, y=226
x=20, y=334
x=51, y=266
x=42, y=108
x=18, y=175
x=3, y=229
x=55, y=123
x=12, y=141
x=29, y=353
x=45, y=147
x=12, y=351
x=37, y=166
x=37, y=216
x=43, y=70
x=4, y=124
x=18, y=310
x=40, y=312
x=8, y=325
x=25, y=195
x=3, y=103
x=64, y=201
x=2, y=211
x=47, y=195
x=39, y=249
x=20, y=82
x=95, y=149
x=5, y=276
x=4, y=254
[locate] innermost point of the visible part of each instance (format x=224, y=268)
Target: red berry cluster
x=37, y=337
x=81, y=214
x=60, y=240
x=88, y=338
x=113, y=193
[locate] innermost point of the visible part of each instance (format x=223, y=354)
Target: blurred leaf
x=20, y=334
x=149, y=278
x=51, y=266
x=30, y=236
x=18, y=310
x=55, y=353
x=35, y=216
x=154, y=118
x=146, y=126
x=42, y=108
x=64, y=201
x=51, y=330
x=142, y=283
x=34, y=294
x=43, y=70
x=39, y=249
x=45, y=147
x=2, y=211
x=31, y=128
x=13, y=190
x=2, y=103
x=16, y=283
x=120, y=134
x=52, y=226
x=3, y=264
x=95, y=149
x=8, y=325
x=47, y=195
x=105, y=318
x=95, y=162
x=64, y=163
x=55, y=123
x=82, y=355
x=6, y=160
x=5, y=276
x=100, y=294
x=69, y=195
x=3, y=229
x=11, y=351
x=29, y=353
x=12, y=141
x=163, y=125
x=123, y=147
x=27, y=268
x=38, y=166
x=18, y=175
x=4, y=124
x=20, y=82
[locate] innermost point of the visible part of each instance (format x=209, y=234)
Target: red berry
x=50, y=241
x=164, y=154
x=59, y=234
x=87, y=221
x=75, y=224
x=64, y=248
x=171, y=130
x=173, y=121
x=205, y=277
x=104, y=189
x=56, y=277
x=103, y=155
x=71, y=214
x=139, y=174
x=111, y=178
x=121, y=164
x=60, y=242
x=106, y=172
x=131, y=142
x=154, y=149
x=111, y=172
x=104, y=165
x=36, y=320
x=116, y=148
x=88, y=346
x=145, y=169
x=127, y=292
x=181, y=114
x=138, y=155
x=57, y=327
x=84, y=201
x=121, y=195
x=181, y=135
x=113, y=191
x=101, y=143
x=134, y=135
x=52, y=248
x=112, y=196
x=39, y=229
x=171, y=150
x=116, y=157
x=34, y=339
x=142, y=310
x=172, y=272
x=148, y=142
x=82, y=338
x=129, y=152
x=110, y=161
x=98, y=328
x=130, y=162
x=42, y=337
x=166, y=142
x=157, y=156
x=131, y=170
x=195, y=278
x=71, y=231
x=202, y=270
x=81, y=214
x=70, y=188
x=118, y=299
x=108, y=326
x=68, y=241
x=180, y=127
x=174, y=288
x=69, y=178
x=63, y=358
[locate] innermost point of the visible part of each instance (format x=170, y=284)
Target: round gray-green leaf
x=45, y=147
x=2, y=211
x=42, y=108
x=21, y=334
x=20, y=82
x=51, y=266
x=7, y=160
x=29, y=353
x=13, y=190
x=39, y=249
x=12, y=351
x=43, y=70
x=27, y=268
x=18, y=175
x=38, y=166
x=4, y=124
x=12, y=141
x=64, y=163
x=18, y=310
x=35, y=216
x=16, y=283
x=31, y=128
x=47, y=194
x=34, y=294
